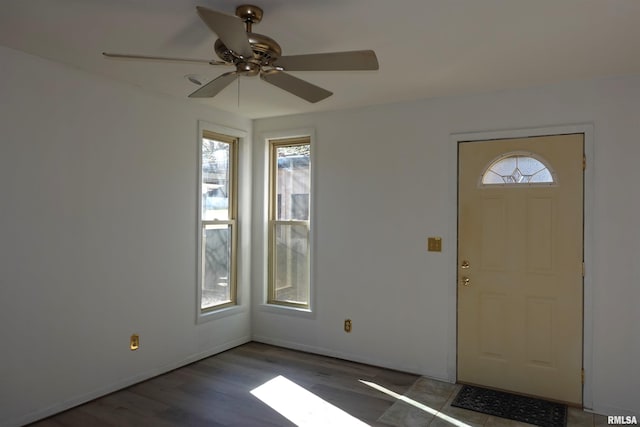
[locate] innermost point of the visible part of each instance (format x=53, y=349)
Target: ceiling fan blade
x=214, y=87
x=334, y=61
x=229, y=29
x=163, y=58
x=294, y=85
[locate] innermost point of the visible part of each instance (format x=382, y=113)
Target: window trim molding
x=263, y=304
x=239, y=306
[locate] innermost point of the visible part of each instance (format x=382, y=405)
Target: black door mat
x=518, y=408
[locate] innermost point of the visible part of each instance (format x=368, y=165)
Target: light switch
x=434, y=244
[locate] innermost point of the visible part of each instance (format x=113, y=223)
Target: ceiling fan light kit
x=255, y=54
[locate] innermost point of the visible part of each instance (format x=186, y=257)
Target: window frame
x=233, y=139
x=272, y=221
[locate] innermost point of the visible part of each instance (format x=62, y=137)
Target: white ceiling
x=426, y=48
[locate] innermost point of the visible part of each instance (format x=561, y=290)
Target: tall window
x=217, y=221
x=289, y=222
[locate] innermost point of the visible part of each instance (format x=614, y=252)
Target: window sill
x=283, y=309
x=219, y=314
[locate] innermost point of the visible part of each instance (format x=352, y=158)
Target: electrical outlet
x=347, y=325
x=134, y=342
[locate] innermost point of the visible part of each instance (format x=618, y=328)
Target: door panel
x=493, y=322
x=539, y=241
x=520, y=313
x=539, y=331
x=494, y=234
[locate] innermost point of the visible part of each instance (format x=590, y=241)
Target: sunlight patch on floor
x=416, y=404
x=300, y=406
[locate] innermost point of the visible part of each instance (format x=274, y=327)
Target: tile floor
x=428, y=403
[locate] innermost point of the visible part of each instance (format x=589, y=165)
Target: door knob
x=465, y=281
x=465, y=264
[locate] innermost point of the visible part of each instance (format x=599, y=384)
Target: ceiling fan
x=256, y=54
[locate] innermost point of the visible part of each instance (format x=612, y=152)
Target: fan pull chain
x=239, y=92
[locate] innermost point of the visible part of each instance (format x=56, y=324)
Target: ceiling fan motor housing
x=265, y=50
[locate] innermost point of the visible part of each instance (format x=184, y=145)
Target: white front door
x=520, y=263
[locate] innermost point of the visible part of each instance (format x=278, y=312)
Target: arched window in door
x=518, y=168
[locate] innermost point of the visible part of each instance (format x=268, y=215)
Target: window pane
x=517, y=169
x=504, y=166
x=291, y=263
x=300, y=206
x=216, y=280
x=292, y=182
x=529, y=165
x=542, y=176
x=215, y=179
x=492, y=178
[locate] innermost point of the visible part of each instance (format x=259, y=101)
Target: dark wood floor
x=217, y=391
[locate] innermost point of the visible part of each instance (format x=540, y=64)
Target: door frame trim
x=454, y=139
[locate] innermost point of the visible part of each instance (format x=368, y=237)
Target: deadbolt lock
x=465, y=264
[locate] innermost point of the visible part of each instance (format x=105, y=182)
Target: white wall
x=98, y=237
x=383, y=184
x=97, y=233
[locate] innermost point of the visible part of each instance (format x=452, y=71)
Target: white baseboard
x=346, y=356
